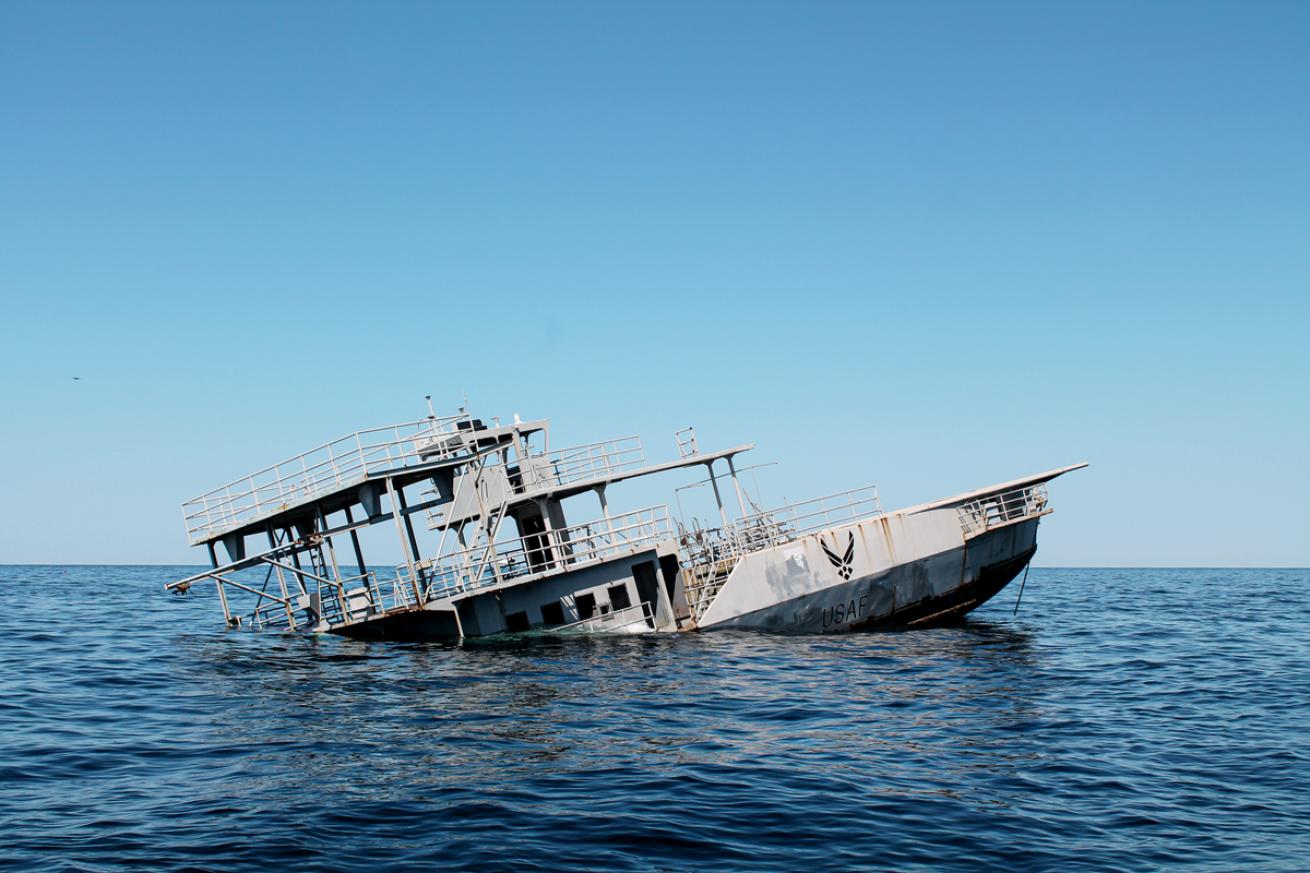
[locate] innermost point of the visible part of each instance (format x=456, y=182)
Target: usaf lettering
x=844, y=612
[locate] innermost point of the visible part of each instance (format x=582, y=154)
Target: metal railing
x=609, y=622
x=293, y=598
x=791, y=522
x=358, y=598
x=324, y=468
x=686, y=439
x=582, y=463
x=709, y=555
x=551, y=470
x=995, y=510
x=547, y=552
x=708, y=558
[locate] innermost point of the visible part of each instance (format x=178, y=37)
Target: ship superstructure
x=507, y=559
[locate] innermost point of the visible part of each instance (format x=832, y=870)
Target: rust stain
x=887, y=535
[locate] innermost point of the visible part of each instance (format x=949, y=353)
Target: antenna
x=432, y=413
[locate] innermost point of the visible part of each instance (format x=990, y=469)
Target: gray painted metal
x=508, y=558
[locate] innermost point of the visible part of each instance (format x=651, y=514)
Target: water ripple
x=1125, y=719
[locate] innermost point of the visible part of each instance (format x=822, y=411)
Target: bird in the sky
x=77, y=378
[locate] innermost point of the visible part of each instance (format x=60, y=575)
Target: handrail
x=709, y=555
x=995, y=510
x=609, y=621
x=792, y=521
x=582, y=462
x=548, y=551
x=328, y=466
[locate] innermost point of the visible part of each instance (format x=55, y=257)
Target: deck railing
x=791, y=522
x=548, y=552
x=297, y=599
x=324, y=468
x=582, y=463
x=995, y=510
x=709, y=555
x=553, y=469
x=615, y=621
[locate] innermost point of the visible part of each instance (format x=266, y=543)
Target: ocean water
x=1123, y=720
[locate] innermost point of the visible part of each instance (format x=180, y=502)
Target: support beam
x=718, y=498
x=354, y=541
x=409, y=524
x=404, y=542
x=741, y=502
x=222, y=598
x=286, y=596
x=459, y=625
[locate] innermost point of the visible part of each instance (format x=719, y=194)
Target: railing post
x=404, y=541
x=227, y=509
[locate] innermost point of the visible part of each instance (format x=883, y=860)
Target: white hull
x=904, y=569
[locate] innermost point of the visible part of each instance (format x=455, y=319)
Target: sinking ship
x=499, y=555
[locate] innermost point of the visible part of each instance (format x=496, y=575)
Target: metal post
x=295, y=553
x=604, y=504
x=222, y=598
x=336, y=574
x=354, y=541
x=741, y=503
x=459, y=625
x=521, y=450
x=718, y=499
x=404, y=543
x=543, y=506
x=286, y=597
x=409, y=524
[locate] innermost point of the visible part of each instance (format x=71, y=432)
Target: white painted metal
x=552, y=551
x=818, y=565
x=323, y=469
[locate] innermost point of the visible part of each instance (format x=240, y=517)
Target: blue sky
x=928, y=245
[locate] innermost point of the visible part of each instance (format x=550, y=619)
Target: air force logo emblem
x=843, y=564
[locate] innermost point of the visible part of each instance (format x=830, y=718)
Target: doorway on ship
x=536, y=542
x=648, y=589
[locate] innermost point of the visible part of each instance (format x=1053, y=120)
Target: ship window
x=619, y=597
x=552, y=613
x=516, y=621
x=586, y=604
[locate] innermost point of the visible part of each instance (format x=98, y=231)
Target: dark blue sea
x=1123, y=720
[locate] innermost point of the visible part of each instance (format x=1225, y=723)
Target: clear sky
x=928, y=245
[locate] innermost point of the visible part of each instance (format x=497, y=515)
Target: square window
x=619, y=597
x=516, y=621
x=552, y=614
x=586, y=604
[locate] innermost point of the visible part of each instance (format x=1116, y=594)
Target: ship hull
x=926, y=590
